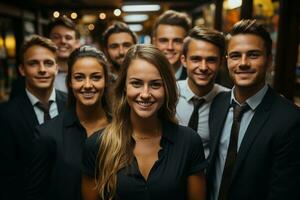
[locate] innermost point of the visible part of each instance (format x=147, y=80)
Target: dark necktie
x=238, y=112
x=45, y=109
x=194, y=119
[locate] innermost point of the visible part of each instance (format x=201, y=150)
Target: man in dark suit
x=36, y=104
x=254, y=156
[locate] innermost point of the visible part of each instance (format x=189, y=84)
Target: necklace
x=139, y=137
x=145, y=137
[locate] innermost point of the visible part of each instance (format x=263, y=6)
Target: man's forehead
x=167, y=29
x=62, y=30
x=120, y=38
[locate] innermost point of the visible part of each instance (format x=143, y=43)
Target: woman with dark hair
x=144, y=153
x=55, y=166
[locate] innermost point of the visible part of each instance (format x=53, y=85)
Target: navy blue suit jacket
x=268, y=161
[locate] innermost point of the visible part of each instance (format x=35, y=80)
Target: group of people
x=141, y=121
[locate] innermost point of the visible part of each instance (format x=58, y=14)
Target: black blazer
x=17, y=123
x=183, y=74
x=55, y=169
x=268, y=161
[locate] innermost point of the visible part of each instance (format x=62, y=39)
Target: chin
x=144, y=114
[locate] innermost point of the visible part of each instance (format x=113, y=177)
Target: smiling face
x=118, y=45
x=39, y=68
x=65, y=39
x=169, y=39
x=145, y=91
x=87, y=81
x=202, y=62
x=248, y=62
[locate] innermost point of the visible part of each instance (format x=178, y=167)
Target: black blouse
x=181, y=155
x=55, y=170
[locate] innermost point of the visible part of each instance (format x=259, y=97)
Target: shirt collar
x=33, y=100
x=254, y=100
x=178, y=72
x=188, y=93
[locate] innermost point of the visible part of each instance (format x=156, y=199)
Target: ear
x=22, y=70
x=269, y=62
x=154, y=41
x=77, y=43
x=183, y=60
x=56, y=66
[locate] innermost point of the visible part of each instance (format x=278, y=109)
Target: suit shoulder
x=284, y=106
x=221, y=97
x=61, y=94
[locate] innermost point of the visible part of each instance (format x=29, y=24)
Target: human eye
x=96, y=77
x=69, y=37
x=78, y=77
x=113, y=46
x=163, y=40
x=253, y=54
x=156, y=85
x=234, y=56
x=195, y=59
x=31, y=63
x=127, y=44
x=55, y=36
x=178, y=40
x=49, y=63
x=135, y=83
x=212, y=60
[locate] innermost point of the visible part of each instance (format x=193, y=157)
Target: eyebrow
x=138, y=79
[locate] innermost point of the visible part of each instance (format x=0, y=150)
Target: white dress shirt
x=53, y=110
x=185, y=109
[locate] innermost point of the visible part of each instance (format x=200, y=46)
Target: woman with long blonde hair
x=144, y=153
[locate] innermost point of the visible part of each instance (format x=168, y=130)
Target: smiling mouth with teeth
x=145, y=103
x=89, y=94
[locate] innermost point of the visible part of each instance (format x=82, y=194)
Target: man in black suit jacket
x=265, y=163
x=19, y=116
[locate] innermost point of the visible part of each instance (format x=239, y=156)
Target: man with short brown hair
x=38, y=103
x=168, y=34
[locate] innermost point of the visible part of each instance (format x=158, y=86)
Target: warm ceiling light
x=102, y=16
x=141, y=8
x=135, y=18
x=88, y=19
x=56, y=14
x=73, y=15
x=135, y=27
x=91, y=27
x=117, y=12
x=232, y=4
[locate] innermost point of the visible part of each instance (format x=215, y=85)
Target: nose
x=244, y=60
x=122, y=50
x=203, y=65
x=170, y=44
x=145, y=93
x=42, y=68
x=62, y=39
x=88, y=83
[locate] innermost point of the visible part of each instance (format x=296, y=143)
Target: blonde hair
x=116, y=146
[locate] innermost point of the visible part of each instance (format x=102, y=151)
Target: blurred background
x=20, y=19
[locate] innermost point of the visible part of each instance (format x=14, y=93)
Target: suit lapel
x=60, y=100
x=260, y=117
x=217, y=119
x=27, y=111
